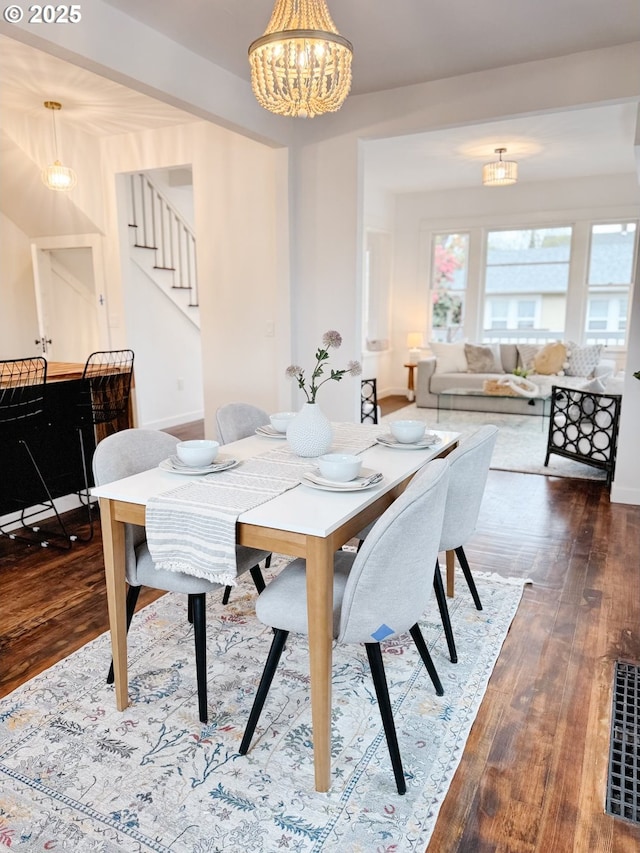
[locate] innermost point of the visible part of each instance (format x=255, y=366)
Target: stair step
x=170, y=269
x=140, y=246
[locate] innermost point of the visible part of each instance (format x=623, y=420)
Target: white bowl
x=340, y=467
x=281, y=420
x=407, y=432
x=198, y=452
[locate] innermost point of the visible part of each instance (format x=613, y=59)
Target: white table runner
x=192, y=528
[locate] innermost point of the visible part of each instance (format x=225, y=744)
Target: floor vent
x=623, y=783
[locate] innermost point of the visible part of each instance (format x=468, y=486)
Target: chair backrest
x=391, y=579
x=107, y=386
x=22, y=388
x=469, y=468
x=238, y=420
x=129, y=452
x=368, y=401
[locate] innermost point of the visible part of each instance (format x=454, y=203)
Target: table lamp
x=414, y=342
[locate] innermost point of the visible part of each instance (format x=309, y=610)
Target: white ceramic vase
x=309, y=433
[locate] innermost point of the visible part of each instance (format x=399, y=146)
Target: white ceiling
x=399, y=42
x=395, y=44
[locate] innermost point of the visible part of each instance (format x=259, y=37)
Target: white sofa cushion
x=450, y=357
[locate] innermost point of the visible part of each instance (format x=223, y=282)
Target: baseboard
x=178, y=420
x=622, y=495
x=12, y=520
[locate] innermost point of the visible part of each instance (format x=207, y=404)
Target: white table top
x=298, y=510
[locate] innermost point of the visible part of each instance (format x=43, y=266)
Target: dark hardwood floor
x=533, y=774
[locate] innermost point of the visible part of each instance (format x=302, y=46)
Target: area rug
x=521, y=444
x=76, y=774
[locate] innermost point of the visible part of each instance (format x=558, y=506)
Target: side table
x=411, y=395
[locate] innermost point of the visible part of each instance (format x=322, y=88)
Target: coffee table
x=451, y=394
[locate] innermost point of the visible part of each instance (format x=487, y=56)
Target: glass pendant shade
x=59, y=177
x=501, y=172
x=56, y=176
x=301, y=66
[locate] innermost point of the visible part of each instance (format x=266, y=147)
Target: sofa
x=480, y=366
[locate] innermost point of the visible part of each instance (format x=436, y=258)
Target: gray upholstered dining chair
x=235, y=421
x=468, y=471
x=129, y=452
x=379, y=592
x=239, y=420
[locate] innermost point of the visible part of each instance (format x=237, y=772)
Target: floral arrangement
x=330, y=339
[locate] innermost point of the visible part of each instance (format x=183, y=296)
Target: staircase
x=167, y=245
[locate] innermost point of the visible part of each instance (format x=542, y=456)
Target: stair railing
x=160, y=227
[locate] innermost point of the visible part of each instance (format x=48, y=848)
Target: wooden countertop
x=57, y=371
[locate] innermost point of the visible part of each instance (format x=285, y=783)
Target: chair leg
x=384, y=703
x=198, y=605
x=258, y=580
x=464, y=564
x=275, y=652
x=418, y=639
x=132, y=599
x=86, y=497
x=441, y=598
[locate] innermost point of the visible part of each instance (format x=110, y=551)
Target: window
x=526, y=278
x=449, y=266
x=612, y=259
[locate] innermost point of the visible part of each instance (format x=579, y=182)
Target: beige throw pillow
x=550, y=359
x=526, y=354
x=483, y=358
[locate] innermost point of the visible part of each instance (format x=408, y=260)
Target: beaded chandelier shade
x=56, y=176
x=501, y=172
x=301, y=66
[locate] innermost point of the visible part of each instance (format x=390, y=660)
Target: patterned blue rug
x=76, y=774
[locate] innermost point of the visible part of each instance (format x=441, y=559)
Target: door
x=70, y=303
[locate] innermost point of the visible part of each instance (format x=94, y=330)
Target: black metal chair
x=104, y=401
x=22, y=414
x=583, y=425
x=368, y=401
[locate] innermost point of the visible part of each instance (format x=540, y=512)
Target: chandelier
x=56, y=176
x=501, y=172
x=301, y=66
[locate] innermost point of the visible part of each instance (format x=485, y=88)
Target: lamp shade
x=59, y=177
x=301, y=66
x=56, y=176
x=501, y=172
x=414, y=340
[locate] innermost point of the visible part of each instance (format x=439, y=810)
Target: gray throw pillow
x=483, y=358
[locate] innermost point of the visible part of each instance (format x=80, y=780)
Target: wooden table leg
x=451, y=565
x=320, y=620
x=114, y=570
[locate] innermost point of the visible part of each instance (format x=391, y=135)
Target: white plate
x=429, y=440
x=221, y=463
x=268, y=431
x=358, y=485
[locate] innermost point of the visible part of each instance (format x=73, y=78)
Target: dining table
x=303, y=521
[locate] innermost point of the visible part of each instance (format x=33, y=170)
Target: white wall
x=18, y=315
x=241, y=227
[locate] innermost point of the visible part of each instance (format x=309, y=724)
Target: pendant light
x=501, y=172
x=301, y=66
x=56, y=176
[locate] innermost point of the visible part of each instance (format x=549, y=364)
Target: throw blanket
x=192, y=528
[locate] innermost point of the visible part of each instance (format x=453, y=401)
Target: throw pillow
x=550, y=359
x=450, y=358
x=526, y=354
x=582, y=361
x=483, y=358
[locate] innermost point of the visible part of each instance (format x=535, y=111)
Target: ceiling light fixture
x=301, y=66
x=56, y=176
x=501, y=172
